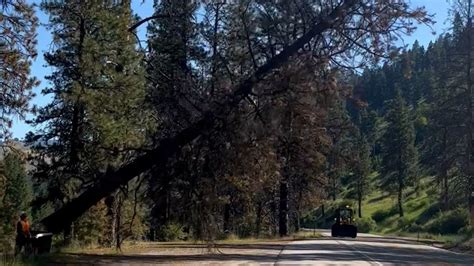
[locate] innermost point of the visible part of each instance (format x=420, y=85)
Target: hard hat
x=23, y=214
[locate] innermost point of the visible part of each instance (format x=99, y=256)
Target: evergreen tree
x=97, y=119
x=399, y=162
x=448, y=145
x=17, y=195
x=18, y=24
x=171, y=64
x=171, y=74
x=361, y=171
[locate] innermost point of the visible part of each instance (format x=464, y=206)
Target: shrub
x=432, y=192
x=466, y=231
x=414, y=228
x=428, y=213
x=382, y=214
x=449, y=222
x=365, y=224
x=171, y=232
x=404, y=223
x=379, y=215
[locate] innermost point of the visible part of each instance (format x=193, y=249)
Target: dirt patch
x=177, y=254
x=466, y=247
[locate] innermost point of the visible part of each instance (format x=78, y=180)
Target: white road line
x=373, y=261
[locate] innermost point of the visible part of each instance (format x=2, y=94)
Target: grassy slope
x=418, y=208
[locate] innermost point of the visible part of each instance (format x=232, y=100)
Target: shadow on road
x=338, y=250
x=87, y=259
x=385, y=251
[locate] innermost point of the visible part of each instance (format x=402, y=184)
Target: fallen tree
x=159, y=156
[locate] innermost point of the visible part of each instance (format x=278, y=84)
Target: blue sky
x=144, y=8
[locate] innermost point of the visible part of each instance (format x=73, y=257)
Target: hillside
x=423, y=217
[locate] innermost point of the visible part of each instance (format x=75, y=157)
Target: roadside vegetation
x=424, y=219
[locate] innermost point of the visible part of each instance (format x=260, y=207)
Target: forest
x=238, y=118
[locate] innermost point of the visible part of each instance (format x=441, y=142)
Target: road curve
x=367, y=250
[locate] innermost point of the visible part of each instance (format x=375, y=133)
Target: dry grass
x=186, y=247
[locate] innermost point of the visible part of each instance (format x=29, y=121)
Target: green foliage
x=16, y=198
x=92, y=227
x=98, y=117
x=382, y=214
x=449, y=222
x=172, y=232
x=467, y=231
x=399, y=152
x=365, y=224
x=428, y=214
x=18, y=24
x=414, y=228
x=403, y=223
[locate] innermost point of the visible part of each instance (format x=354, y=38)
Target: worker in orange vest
x=22, y=233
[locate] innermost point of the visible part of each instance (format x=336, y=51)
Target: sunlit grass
x=416, y=203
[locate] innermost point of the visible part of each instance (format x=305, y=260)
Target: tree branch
x=140, y=22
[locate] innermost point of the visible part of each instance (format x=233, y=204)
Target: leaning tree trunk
x=159, y=156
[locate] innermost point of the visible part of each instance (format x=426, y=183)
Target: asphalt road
x=364, y=250
x=367, y=250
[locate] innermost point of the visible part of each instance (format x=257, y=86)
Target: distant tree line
x=418, y=118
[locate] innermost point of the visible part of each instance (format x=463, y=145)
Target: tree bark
x=359, y=202
x=445, y=191
x=113, y=226
x=444, y=172
x=226, y=218
x=296, y=221
x=400, y=197
x=469, y=84
x=258, y=220
x=113, y=179
x=118, y=232
x=274, y=212
x=333, y=188
x=67, y=234
x=283, y=213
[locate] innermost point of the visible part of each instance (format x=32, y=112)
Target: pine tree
x=98, y=118
x=18, y=24
x=361, y=171
x=18, y=194
x=399, y=162
x=171, y=74
x=448, y=145
x=172, y=53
